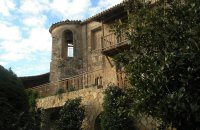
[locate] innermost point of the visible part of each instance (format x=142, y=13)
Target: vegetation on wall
x=32, y=96
x=71, y=115
x=71, y=88
x=163, y=63
x=59, y=91
x=116, y=109
x=34, y=114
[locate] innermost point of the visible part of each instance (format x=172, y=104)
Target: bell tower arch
x=67, y=44
x=67, y=49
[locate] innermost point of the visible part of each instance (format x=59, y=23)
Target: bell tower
x=66, y=60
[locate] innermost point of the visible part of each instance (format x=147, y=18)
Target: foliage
x=32, y=96
x=71, y=88
x=163, y=62
x=43, y=119
x=32, y=118
x=116, y=107
x=13, y=100
x=17, y=107
x=60, y=91
x=29, y=120
x=71, y=115
x=36, y=119
x=11, y=89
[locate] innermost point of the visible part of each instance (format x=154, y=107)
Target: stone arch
x=67, y=44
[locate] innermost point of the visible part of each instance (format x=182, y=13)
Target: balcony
x=111, y=44
x=85, y=80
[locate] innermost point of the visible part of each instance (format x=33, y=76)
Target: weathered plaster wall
x=92, y=99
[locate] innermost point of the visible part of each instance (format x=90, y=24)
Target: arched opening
x=97, y=125
x=68, y=45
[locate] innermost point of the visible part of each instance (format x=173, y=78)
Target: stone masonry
x=77, y=52
x=92, y=99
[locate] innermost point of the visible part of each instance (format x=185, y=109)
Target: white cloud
x=78, y=9
x=66, y=9
x=14, y=51
x=9, y=32
x=39, y=40
x=3, y=63
x=26, y=46
x=35, y=21
x=102, y=5
x=6, y=6
x=12, y=56
x=71, y=9
x=34, y=6
x=39, y=63
x=33, y=69
x=108, y=3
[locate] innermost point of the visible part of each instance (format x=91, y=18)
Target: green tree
x=13, y=100
x=163, y=63
x=33, y=116
x=116, y=109
x=71, y=115
x=32, y=96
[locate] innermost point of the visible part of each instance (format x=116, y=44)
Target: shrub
x=71, y=88
x=32, y=96
x=71, y=115
x=59, y=91
x=163, y=63
x=116, y=107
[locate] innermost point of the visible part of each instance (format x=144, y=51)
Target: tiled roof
x=63, y=23
x=33, y=77
x=103, y=12
x=88, y=19
x=32, y=81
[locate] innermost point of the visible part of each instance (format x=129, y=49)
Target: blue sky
x=25, y=41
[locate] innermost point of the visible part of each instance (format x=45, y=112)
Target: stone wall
x=92, y=99
x=94, y=56
x=87, y=54
x=95, y=59
x=61, y=65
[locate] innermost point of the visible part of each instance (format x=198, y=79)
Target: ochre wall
x=92, y=99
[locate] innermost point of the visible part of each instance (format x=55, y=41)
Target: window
x=96, y=39
x=70, y=50
x=68, y=46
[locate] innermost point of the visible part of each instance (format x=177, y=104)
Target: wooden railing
x=112, y=41
x=77, y=82
x=121, y=79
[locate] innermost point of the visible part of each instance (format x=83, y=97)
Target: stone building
x=82, y=60
x=83, y=47
x=82, y=54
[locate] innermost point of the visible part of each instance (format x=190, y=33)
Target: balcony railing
x=71, y=84
x=85, y=80
x=121, y=79
x=112, y=42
